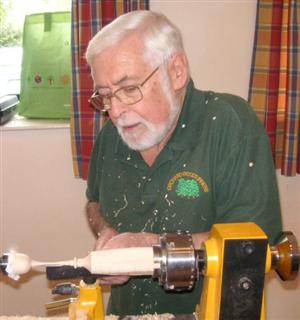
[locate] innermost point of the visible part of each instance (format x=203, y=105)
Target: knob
x=286, y=257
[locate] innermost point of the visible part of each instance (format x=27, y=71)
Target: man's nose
x=116, y=107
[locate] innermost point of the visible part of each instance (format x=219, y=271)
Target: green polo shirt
x=217, y=167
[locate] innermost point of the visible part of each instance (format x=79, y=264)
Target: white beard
x=153, y=134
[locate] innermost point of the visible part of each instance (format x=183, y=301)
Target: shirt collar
x=184, y=134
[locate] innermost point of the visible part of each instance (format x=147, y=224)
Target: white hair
x=161, y=38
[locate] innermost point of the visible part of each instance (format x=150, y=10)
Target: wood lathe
x=233, y=262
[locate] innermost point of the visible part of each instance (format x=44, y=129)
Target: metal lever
x=63, y=288
x=66, y=289
x=60, y=303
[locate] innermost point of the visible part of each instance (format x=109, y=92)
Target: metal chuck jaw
x=175, y=261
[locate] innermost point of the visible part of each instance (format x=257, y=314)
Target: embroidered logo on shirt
x=187, y=184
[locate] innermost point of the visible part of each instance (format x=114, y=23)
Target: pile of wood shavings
x=31, y=318
x=165, y=316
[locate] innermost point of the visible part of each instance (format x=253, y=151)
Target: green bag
x=46, y=66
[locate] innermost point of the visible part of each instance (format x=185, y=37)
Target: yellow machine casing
x=89, y=305
x=237, y=258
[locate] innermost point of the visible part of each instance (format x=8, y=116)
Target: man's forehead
x=118, y=69
x=116, y=80
x=132, y=45
x=118, y=58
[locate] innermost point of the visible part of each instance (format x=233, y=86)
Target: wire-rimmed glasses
x=128, y=95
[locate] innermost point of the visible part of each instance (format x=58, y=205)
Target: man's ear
x=178, y=71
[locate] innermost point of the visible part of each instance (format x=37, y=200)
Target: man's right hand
x=103, y=232
x=105, y=235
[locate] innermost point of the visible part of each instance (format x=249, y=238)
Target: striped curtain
x=88, y=17
x=274, y=89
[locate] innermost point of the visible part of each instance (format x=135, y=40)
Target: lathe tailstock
x=233, y=262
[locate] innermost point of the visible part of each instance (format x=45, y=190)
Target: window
x=12, y=14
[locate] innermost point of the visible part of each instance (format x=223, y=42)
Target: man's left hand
x=130, y=239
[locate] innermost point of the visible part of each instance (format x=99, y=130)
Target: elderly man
x=170, y=157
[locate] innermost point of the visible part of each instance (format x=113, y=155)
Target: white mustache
x=125, y=122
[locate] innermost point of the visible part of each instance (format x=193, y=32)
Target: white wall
x=42, y=205
x=42, y=211
x=218, y=39
x=283, y=297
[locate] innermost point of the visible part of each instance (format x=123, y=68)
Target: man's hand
x=130, y=239
x=103, y=232
x=146, y=239
x=123, y=240
x=104, y=236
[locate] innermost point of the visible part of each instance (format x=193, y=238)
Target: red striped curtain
x=88, y=17
x=274, y=89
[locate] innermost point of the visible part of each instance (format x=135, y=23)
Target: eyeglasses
x=127, y=95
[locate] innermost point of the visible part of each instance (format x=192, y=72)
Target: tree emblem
x=187, y=188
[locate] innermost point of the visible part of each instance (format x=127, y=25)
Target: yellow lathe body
x=237, y=258
x=89, y=304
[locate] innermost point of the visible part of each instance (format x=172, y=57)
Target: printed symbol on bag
x=65, y=79
x=37, y=78
x=50, y=79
